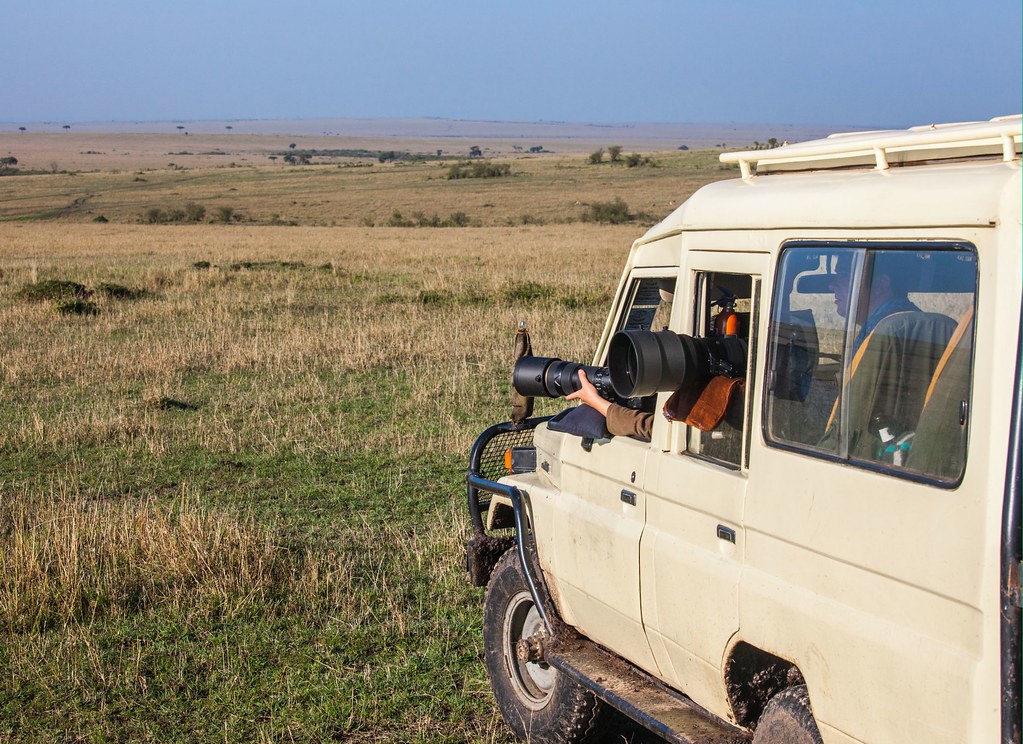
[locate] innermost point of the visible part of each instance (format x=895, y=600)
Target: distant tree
x=772, y=142
x=291, y=146
x=273, y=158
x=21, y=129
x=9, y=161
x=475, y=152
x=54, y=167
x=180, y=126
x=597, y=156
x=66, y=126
x=615, y=153
x=683, y=147
x=756, y=144
x=439, y=153
x=536, y=148
x=229, y=127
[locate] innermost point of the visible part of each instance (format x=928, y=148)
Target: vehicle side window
x=649, y=304
x=725, y=309
x=870, y=355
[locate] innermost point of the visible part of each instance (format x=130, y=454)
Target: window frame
x=700, y=285
x=867, y=246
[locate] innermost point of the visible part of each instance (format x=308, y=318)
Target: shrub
x=479, y=169
x=49, y=290
x=100, y=218
x=224, y=214
x=77, y=307
x=120, y=292
x=195, y=212
x=597, y=156
x=201, y=265
x=615, y=153
x=615, y=212
x=397, y=220
x=153, y=216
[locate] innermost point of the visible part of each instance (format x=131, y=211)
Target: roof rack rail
x=881, y=149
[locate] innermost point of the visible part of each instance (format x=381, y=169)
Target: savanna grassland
x=232, y=450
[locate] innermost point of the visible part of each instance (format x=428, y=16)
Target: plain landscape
x=241, y=373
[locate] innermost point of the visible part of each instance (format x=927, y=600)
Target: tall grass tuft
x=68, y=559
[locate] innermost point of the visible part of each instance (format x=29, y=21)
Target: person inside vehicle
x=888, y=296
x=895, y=353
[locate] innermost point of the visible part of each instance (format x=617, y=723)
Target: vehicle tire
x=537, y=702
x=788, y=719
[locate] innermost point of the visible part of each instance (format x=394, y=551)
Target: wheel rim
x=533, y=681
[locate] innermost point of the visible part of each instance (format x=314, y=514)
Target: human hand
x=589, y=395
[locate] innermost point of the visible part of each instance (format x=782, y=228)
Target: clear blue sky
x=788, y=61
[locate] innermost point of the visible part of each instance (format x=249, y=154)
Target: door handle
x=726, y=533
x=628, y=497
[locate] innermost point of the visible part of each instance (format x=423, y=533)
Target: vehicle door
x=871, y=511
x=692, y=549
x=600, y=512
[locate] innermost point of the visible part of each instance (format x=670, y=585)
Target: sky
x=862, y=62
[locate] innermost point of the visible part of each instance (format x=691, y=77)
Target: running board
x=668, y=714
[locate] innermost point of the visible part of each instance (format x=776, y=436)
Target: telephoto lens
x=548, y=377
x=645, y=362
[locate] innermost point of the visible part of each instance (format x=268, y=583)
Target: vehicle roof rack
x=884, y=148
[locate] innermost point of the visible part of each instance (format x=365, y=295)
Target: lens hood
x=646, y=362
x=528, y=376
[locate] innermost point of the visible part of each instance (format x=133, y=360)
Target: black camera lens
x=644, y=362
x=547, y=377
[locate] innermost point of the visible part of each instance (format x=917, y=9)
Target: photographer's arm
x=621, y=421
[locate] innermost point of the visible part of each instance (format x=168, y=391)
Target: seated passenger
x=895, y=354
x=887, y=296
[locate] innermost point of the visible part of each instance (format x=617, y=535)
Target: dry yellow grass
x=233, y=508
x=355, y=306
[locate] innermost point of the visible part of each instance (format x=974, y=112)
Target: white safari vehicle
x=822, y=541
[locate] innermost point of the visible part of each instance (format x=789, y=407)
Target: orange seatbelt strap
x=953, y=342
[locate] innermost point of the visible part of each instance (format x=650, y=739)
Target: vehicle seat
x=939, y=447
x=889, y=379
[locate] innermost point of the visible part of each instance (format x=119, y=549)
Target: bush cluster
x=190, y=213
x=420, y=219
x=72, y=298
x=479, y=169
x=615, y=212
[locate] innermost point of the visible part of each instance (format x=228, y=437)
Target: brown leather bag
x=704, y=409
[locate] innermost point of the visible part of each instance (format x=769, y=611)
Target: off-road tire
x=537, y=702
x=788, y=719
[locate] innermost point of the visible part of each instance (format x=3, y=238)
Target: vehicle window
x=870, y=355
x=649, y=304
x=724, y=312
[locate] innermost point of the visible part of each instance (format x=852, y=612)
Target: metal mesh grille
x=492, y=461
